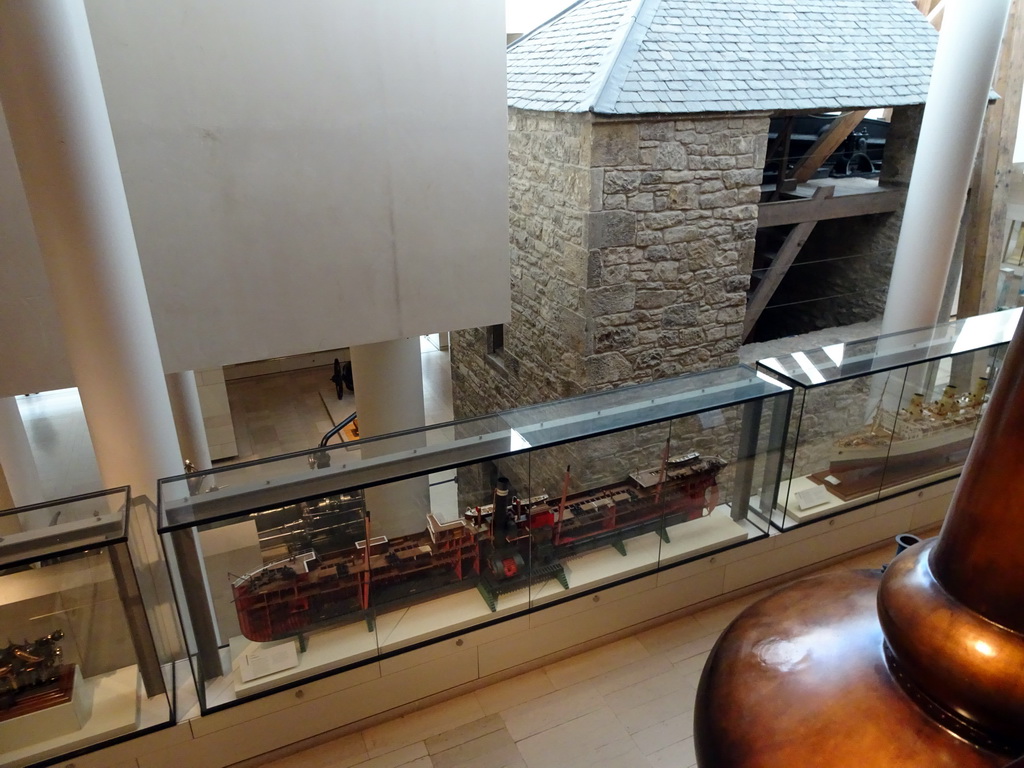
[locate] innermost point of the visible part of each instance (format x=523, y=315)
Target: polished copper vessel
x=920, y=666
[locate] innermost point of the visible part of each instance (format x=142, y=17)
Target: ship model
x=916, y=441
x=487, y=547
x=33, y=676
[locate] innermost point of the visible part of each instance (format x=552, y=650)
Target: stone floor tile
x=596, y=738
x=594, y=663
x=342, y=752
x=547, y=712
x=679, y=755
x=515, y=690
x=409, y=756
x=468, y=732
x=421, y=725
x=492, y=750
x=664, y=734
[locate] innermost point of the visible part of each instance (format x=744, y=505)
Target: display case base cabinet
x=401, y=683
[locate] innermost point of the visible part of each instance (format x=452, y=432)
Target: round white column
x=16, y=459
x=188, y=418
x=53, y=100
x=950, y=129
x=388, y=383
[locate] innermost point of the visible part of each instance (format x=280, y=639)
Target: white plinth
x=58, y=720
x=110, y=706
x=325, y=649
x=796, y=515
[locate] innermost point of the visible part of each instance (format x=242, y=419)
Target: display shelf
x=80, y=669
x=361, y=552
x=881, y=416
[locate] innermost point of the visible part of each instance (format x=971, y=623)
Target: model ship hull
x=917, y=445
x=489, y=550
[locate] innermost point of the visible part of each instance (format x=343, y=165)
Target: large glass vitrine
x=315, y=562
x=78, y=665
x=880, y=416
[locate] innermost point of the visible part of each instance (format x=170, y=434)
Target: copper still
x=920, y=666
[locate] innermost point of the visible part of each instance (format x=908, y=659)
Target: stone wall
x=631, y=248
x=842, y=274
x=670, y=245
x=545, y=342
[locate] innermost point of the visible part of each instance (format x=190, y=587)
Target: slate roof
x=620, y=57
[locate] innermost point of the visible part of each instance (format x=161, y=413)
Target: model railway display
x=499, y=548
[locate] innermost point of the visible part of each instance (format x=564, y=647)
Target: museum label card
x=260, y=662
x=812, y=497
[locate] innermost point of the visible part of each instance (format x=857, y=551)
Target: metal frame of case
x=869, y=418
x=66, y=570
x=280, y=579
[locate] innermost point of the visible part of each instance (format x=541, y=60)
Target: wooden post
x=986, y=207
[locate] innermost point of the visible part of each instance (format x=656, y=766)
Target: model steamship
x=487, y=546
x=919, y=440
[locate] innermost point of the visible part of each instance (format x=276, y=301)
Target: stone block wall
x=631, y=248
x=670, y=245
x=545, y=341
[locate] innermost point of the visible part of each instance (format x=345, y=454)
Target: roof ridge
x=622, y=33
x=615, y=77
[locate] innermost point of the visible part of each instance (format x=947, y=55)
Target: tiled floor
x=629, y=704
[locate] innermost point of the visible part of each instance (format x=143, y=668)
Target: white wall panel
x=301, y=176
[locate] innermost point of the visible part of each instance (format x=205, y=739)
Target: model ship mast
x=561, y=505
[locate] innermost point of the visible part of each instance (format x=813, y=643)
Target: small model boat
x=919, y=440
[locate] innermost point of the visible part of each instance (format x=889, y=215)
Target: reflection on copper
x=921, y=666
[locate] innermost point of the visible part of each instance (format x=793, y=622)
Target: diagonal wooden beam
x=783, y=261
x=827, y=143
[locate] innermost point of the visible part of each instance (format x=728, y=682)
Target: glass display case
x=79, y=669
x=877, y=417
x=310, y=563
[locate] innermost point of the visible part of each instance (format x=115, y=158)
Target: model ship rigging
x=499, y=548
x=916, y=441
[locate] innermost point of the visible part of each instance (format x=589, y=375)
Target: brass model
x=28, y=665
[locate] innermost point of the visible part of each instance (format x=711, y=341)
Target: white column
x=953, y=116
x=53, y=100
x=188, y=418
x=19, y=465
x=388, y=383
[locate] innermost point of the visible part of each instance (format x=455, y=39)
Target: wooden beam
x=885, y=200
x=783, y=261
x=986, y=205
x=827, y=143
